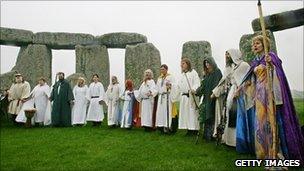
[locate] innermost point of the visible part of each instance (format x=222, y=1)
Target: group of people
x=234, y=104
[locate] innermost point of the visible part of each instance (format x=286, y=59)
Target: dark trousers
x=148, y=129
x=208, y=129
x=13, y=118
x=174, y=125
x=96, y=123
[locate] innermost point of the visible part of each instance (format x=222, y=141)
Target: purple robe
x=294, y=137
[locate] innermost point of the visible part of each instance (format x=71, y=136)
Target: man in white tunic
x=147, y=92
x=234, y=73
x=165, y=83
x=96, y=95
x=186, y=86
x=113, y=93
x=79, y=111
x=17, y=95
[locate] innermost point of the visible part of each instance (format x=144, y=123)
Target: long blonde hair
x=260, y=39
x=81, y=78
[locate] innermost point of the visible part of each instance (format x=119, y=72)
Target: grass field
x=92, y=148
x=102, y=148
x=299, y=105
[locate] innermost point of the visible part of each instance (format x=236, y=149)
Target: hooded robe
x=207, y=108
x=61, y=97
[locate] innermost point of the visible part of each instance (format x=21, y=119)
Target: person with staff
x=165, y=86
x=277, y=130
x=186, y=93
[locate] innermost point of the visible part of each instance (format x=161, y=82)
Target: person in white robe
x=128, y=99
x=234, y=72
x=38, y=99
x=79, y=110
x=188, y=82
x=18, y=93
x=165, y=84
x=112, y=95
x=27, y=105
x=147, y=92
x=219, y=93
x=96, y=97
x=41, y=95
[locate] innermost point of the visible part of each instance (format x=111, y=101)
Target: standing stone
x=197, y=52
x=93, y=59
x=246, y=42
x=73, y=79
x=6, y=80
x=33, y=62
x=139, y=58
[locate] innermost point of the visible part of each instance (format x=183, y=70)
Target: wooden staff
x=270, y=105
x=190, y=93
x=168, y=127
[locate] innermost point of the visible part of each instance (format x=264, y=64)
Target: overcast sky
x=166, y=24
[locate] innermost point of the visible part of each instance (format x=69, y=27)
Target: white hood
x=236, y=55
x=241, y=68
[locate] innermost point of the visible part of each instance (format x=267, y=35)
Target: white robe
x=188, y=114
x=47, y=116
x=233, y=75
x=40, y=100
x=41, y=95
x=218, y=92
x=95, y=111
x=147, y=103
x=125, y=110
x=21, y=118
x=112, y=93
x=79, y=110
x=161, y=112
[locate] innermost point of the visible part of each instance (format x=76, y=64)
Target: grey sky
x=166, y=24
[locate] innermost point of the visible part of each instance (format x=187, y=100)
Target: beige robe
x=17, y=92
x=112, y=97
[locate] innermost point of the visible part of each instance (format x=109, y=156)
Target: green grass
x=92, y=148
x=102, y=148
x=299, y=105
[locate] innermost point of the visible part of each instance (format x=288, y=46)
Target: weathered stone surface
x=63, y=40
x=34, y=61
x=197, y=51
x=73, y=79
x=93, y=59
x=6, y=80
x=138, y=58
x=121, y=39
x=281, y=21
x=17, y=37
x=246, y=41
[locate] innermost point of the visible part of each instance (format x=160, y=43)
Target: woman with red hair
x=127, y=111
